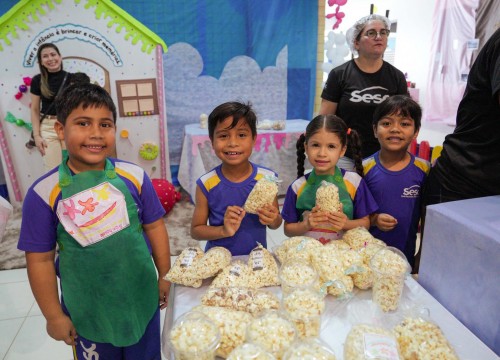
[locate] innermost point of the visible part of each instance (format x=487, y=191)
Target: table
x=339, y=317
x=274, y=149
x=460, y=264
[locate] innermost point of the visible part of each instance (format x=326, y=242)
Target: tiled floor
x=22, y=326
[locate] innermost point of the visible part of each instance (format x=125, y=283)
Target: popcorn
x=241, y=299
x=264, y=267
x=331, y=270
x=389, y=267
x=367, y=342
x=236, y=274
x=422, y=340
x=273, y=332
x=194, y=336
x=249, y=351
x=184, y=270
x=305, y=306
x=358, y=237
x=327, y=197
x=297, y=247
x=264, y=192
x=313, y=349
x=338, y=244
x=364, y=279
x=295, y=274
x=232, y=326
x=214, y=260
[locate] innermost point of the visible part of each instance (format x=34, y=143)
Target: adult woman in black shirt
x=44, y=88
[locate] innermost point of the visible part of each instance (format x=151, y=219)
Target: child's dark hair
x=79, y=78
x=336, y=125
x=401, y=105
x=238, y=111
x=85, y=95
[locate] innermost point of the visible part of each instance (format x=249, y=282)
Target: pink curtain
x=453, y=25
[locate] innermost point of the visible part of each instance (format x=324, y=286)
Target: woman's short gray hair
x=354, y=31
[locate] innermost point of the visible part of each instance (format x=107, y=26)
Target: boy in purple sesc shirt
x=394, y=176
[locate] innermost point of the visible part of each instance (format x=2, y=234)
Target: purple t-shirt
x=221, y=193
x=398, y=194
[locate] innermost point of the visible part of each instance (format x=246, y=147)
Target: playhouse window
x=137, y=97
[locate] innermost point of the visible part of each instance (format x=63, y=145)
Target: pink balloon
x=339, y=15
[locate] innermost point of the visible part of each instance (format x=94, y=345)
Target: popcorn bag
x=304, y=307
x=264, y=267
x=366, y=342
x=214, y=260
x=327, y=197
x=232, y=326
x=184, y=270
x=264, y=192
x=236, y=274
x=252, y=301
x=390, y=267
x=273, y=331
x=422, y=339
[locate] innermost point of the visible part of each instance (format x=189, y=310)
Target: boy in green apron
x=94, y=208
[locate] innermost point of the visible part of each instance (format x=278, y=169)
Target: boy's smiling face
x=233, y=146
x=89, y=135
x=395, y=132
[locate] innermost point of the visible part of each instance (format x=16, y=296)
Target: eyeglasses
x=372, y=34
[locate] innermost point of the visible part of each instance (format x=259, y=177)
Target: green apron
x=307, y=200
x=108, y=278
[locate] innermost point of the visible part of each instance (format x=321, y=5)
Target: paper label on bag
x=257, y=259
x=380, y=347
x=187, y=260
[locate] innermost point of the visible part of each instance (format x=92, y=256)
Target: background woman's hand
x=232, y=220
x=40, y=143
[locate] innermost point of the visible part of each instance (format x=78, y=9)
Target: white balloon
x=329, y=44
x=339, y=38
x=327, y=67
x=330, y=54
x=343, y=49
x=331, y=35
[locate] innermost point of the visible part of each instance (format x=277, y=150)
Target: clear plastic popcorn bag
x=264, y=192
x=327, y=197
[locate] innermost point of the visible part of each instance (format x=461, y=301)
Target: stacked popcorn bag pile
x=238, y=319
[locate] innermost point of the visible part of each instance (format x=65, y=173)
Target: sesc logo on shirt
x=369, y=98
x=411, y=192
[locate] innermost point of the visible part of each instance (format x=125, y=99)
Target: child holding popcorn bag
x=222, y=193
x=328, y=200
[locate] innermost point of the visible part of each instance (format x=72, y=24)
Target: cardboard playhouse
x=113, y=49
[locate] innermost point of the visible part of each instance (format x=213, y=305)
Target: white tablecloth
x=274, y=149
x=460, y=264
x=339, y=317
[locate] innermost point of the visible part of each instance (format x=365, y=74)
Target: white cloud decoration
x=189, y=94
